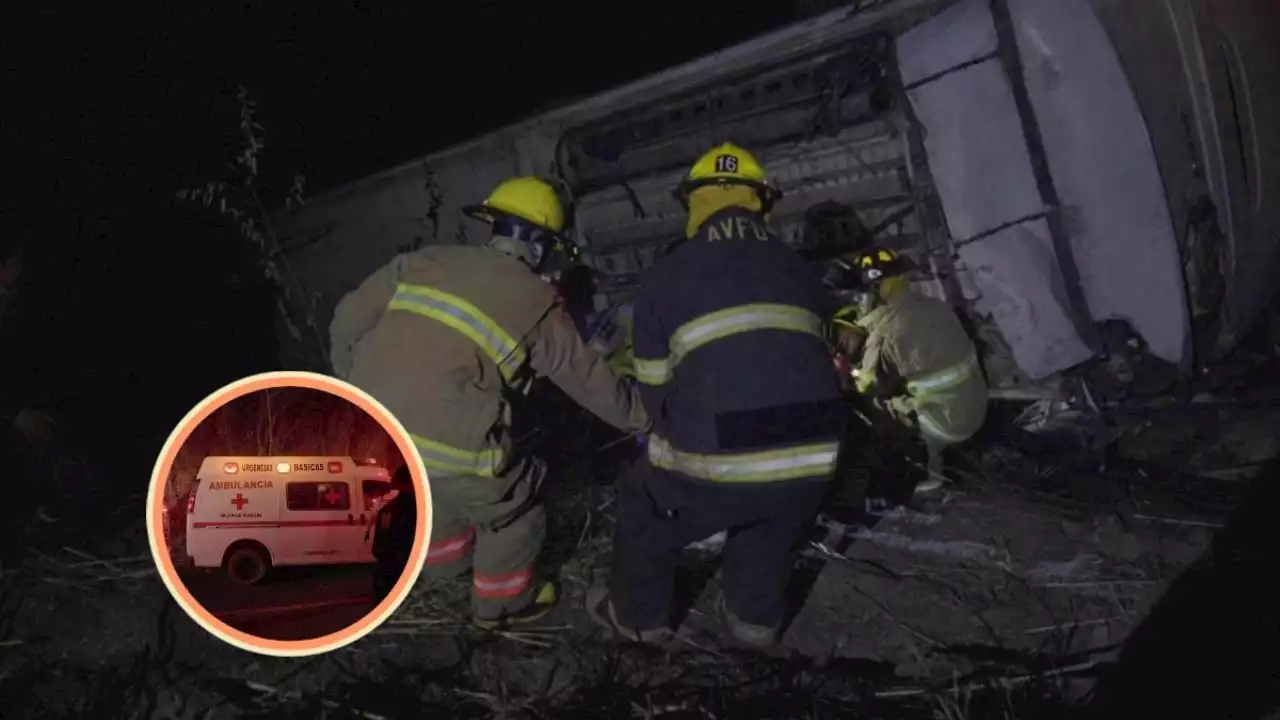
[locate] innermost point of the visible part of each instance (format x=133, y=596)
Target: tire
x=247, y=565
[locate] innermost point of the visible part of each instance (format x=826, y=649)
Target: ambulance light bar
x=333, y=466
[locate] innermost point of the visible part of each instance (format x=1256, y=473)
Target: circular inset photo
x=289, y=514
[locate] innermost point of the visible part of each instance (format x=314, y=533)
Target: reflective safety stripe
x=944, y=379
x=863, y=382
x=452, y=549
x=652, y=372
x=464, y=317
x=438, y=456
x=503, y=586
x=721, y=324
x=930, y=426
x=791, y=463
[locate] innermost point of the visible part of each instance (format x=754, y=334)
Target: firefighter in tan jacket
x=915, y=366
x=448, y=338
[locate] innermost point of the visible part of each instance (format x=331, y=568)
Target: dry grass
x=76, y=568
x=441, y=610
x=699, y=680
x=583, y=676
x=429, y=660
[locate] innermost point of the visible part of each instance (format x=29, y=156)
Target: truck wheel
x=247, y=565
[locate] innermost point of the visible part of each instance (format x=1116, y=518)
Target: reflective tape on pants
x=929, y=425
x=503, y=586
x=452, y=549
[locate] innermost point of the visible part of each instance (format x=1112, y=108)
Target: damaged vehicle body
x=1087, y=182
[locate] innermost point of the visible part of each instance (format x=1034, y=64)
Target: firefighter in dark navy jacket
x=735, y=371
x=394, y=530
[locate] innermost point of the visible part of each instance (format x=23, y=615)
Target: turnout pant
x=660, y=512
x=893, y=421
x=494, y=528
x=386, y=574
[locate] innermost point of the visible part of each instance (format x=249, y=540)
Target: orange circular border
x=160, y=548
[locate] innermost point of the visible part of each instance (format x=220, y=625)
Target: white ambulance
x=248, y=515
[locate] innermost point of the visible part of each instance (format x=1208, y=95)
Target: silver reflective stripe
x=812, y=460
x=944, y=379
x=930, y=426
x=438, y=456
x=708, y=328
x=464, y=317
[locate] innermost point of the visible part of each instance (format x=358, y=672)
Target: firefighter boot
x=600, y=608
x=934, y=476
x=545, y=600
x=760, y=636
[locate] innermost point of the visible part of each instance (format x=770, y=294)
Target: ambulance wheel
x=247, y=564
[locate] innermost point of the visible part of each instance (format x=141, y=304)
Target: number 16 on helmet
x=727, y=165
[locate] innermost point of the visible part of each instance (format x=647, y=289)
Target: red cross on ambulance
x=333, y=496
x=239, y=501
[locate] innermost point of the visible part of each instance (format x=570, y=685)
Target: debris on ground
x=1005, y=593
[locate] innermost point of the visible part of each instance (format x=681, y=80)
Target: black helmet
x=841, y=275
x=403, y=479
x=878, y=264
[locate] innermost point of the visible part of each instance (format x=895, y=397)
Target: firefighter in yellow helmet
x=449, y=339
x=915, y=365
x=733, y=366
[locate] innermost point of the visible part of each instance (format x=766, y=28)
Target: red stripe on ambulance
x=280, y=524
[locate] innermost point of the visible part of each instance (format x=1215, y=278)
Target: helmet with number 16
x=726, y=165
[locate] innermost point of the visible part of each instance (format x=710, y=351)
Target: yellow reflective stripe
x=944, y=379
x=863, y=381
x=653, y=372
x=847, y=317
x=743, y=318
x=850, y=324
x=464, y=317
x=714, y=326
x=930, y=426
x=438, y=456
x=797, y=462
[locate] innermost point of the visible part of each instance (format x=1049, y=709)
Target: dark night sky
x=126, y=306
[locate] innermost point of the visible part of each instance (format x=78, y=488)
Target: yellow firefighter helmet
x=527, y=198
x=728, y=164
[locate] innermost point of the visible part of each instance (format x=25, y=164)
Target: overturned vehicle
x=1084, y=181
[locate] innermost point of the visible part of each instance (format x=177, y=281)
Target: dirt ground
x=997, y=600
x=1020, y=572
